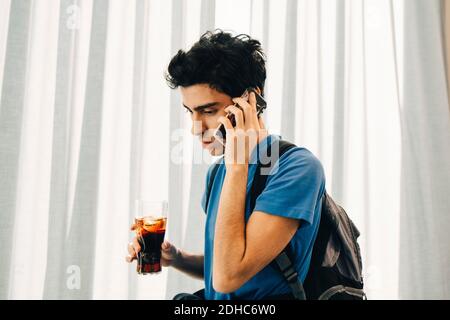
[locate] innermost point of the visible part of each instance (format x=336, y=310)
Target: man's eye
x=208, y=112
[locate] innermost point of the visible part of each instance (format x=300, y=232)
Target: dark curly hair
x=227, y=64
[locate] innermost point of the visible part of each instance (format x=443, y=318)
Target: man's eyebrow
x=204, y=106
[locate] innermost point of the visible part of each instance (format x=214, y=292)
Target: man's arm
x=240, y=250
x=190, y=264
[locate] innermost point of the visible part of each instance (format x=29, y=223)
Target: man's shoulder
x=298, y=162
x=300, y=158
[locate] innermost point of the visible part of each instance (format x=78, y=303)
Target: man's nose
x=197, y=127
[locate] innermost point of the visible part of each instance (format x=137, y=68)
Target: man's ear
x=257, y=89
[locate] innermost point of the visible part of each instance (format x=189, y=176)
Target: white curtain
x=88, y=125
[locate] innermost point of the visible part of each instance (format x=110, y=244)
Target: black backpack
x=335, y=271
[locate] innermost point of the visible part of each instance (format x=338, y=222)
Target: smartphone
x=261, y=104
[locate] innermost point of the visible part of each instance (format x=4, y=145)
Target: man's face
x=206, y=106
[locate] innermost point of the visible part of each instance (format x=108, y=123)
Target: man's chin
x=216, y=148
x=216, y=152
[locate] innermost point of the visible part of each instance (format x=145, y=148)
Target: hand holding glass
x=150, y=228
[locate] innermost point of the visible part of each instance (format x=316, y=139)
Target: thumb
x=166, y=246
x=261, y=123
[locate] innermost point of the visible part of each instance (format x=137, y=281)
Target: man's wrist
x=178, y=261
x=237, y=169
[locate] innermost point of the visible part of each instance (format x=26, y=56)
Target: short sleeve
x=295, y=189
x=205, y=188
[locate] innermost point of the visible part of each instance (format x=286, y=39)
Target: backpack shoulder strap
x=283, y=262
x=259, y=180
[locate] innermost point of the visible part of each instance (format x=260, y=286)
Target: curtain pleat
x=79, y=245
x=424, y=238
x=446, y=34
x=11, y=115
x=60, y=171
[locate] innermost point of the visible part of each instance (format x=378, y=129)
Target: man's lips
x=206, y=142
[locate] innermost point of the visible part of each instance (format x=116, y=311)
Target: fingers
x=226, y=122
x=133, y=249
x=167, y=249
x=136, y=245
x=252, y=101
x=165, y=245
x=249, y=108
x=169, y=254
x=244, y=104
x=261, y=122
x=238, y=115
x=131, y=253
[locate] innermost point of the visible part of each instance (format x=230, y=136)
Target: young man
x=240, y=243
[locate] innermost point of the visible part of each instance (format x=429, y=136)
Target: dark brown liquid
x=151, y=237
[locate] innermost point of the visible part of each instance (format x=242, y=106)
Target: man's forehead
x=200, y=96
x=200, y=90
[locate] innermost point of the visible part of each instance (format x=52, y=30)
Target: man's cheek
x=209, y=134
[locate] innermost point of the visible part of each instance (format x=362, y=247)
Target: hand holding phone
x=261, y=104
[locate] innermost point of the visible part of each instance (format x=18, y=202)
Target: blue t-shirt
x=294, y=191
